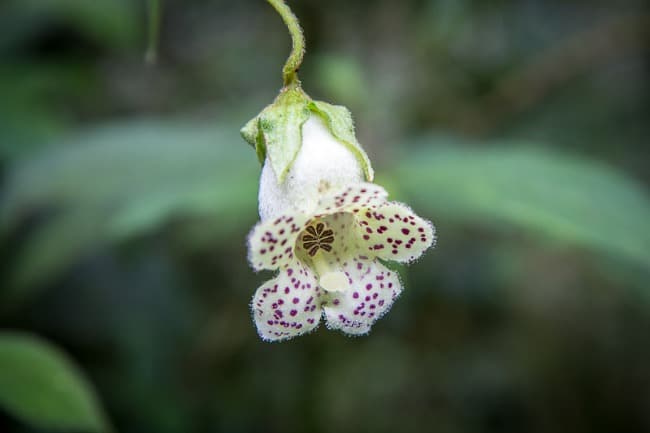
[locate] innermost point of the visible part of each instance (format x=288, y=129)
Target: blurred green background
x=520, y=128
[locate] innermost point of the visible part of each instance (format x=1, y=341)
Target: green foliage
x=116, y=182
x=37, y=91
x=112, y=22
x=526, y=307
x=32, y=97
x=342, y=79
x=43, y=388
x=562, y=198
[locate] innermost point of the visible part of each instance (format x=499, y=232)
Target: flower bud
x=308, y=148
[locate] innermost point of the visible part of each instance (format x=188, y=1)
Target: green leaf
x=43, y=388
x=116, y=182
x=559, y=197
x=339, y=120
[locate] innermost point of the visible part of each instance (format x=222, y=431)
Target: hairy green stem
x=290, y=69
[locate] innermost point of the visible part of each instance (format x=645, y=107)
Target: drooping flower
x=325, y=229
x=324, y=226
x=328, y=262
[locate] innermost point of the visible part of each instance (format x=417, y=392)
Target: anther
x=316, y=238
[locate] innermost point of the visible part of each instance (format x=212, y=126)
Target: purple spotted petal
x=393, y=232
x=271, y=243
x=288, y=305
x=352, y=199
x=374, y=288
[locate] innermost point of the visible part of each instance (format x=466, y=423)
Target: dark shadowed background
x=520, y=128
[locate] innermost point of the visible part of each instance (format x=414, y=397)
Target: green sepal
x=339, y=121
x=249, y=132
x=277, y=130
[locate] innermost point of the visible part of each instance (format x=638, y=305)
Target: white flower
x=324, y=229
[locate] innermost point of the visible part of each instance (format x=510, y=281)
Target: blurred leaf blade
x=42, y=387
x=115, y=182
x=563, y=198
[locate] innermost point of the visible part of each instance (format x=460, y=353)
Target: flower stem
x=290, y=69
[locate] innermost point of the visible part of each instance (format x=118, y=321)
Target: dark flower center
x=317, y=237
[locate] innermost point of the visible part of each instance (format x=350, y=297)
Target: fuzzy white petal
x=373, y=290
x=271, y=243
x=288, y=305
x=393, y=232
